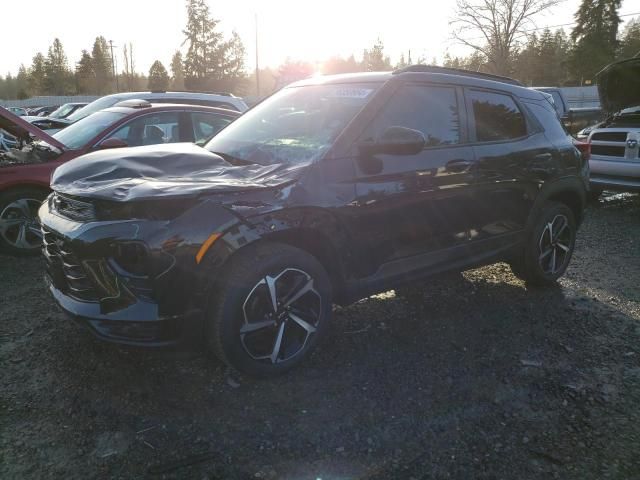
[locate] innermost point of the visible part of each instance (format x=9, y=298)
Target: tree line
x=506, y=41
x=211, y=63
x=499, y=45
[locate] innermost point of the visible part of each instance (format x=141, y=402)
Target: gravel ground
x=465, y=377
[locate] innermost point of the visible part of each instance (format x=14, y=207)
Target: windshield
x=296, y=125
x=96, y=105
x=61, y=112
x=80, y=133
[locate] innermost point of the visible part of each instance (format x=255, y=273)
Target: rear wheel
x=19, y=225
x=270, y=309
x=549, y=248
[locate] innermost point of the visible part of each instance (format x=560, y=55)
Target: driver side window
x=432, y=110
x=150, y=129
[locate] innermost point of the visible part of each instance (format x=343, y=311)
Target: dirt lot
x=475, y=377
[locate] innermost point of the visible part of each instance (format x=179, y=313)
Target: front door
x=412, y=208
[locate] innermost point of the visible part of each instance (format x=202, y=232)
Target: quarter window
x=497, y=117
x=206, y=125
x=432, y=110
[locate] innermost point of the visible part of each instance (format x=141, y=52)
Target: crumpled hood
x=179, y=169
x=619, y=85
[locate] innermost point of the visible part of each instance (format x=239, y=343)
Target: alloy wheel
x=555, y=245
x=19, y=225
x=281, y=313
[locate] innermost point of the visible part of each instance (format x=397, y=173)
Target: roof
x=435, y=74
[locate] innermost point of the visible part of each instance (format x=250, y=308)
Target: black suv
x=332, y=189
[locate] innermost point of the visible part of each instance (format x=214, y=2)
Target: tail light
x=585, y=149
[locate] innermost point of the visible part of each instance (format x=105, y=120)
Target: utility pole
x=113, y=66
x=257, y=66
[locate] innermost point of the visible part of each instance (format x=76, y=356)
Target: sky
x=296, y=29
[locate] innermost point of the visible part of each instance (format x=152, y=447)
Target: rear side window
x=433, y=110
x=497, y=117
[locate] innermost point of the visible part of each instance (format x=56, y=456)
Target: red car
x=25, y=172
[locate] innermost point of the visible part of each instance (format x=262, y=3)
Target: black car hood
x=619, y=85
x=180, y=170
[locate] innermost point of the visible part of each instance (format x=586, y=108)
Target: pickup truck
x=574, y=119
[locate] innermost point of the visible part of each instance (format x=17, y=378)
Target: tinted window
x=150, y=130
x=497, y=117
x=429, y=109
x=206, y=125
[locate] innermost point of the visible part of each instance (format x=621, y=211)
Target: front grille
x=72, y=208
x=609, y=137
x=64, y=268
x=607, y=150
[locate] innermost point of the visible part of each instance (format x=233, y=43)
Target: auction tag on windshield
x=346, y=92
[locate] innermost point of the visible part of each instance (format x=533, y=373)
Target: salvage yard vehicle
x=25, y=172
x=219, y=100
x=574, y=119
x=332, y=189
x=615, y=143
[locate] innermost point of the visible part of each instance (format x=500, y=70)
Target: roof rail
x=456, y=71
x=224, y=94
x=133, y=103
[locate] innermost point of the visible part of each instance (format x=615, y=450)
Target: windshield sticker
x=352, y=92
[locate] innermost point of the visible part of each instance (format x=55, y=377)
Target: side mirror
x=112, y=143
x=396, y=141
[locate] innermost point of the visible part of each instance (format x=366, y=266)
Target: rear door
x=414, y=205
x=513, y=157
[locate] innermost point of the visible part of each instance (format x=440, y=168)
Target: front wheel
x=269, y=310
x=549, y=248
x=19, y=225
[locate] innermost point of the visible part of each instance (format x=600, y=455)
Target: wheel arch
x=313, y=230
x=569, y=191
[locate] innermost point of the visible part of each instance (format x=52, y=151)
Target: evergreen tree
x=101, y=61
x=374, y=60
x=630, y=41
x=595, y=37
x=234, y=76
x=22, y=81
x=205, y=52
x=36, y=82
x=177, y=71
x=158, y=77
x=85, y=78
x=57, y=75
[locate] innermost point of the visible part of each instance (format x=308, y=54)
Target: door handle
x=458, y=165
x=543, y=157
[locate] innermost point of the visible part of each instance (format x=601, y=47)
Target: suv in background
x=332, y=189
x=218, y=100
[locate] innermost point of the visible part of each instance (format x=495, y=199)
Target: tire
x=19, y=226
x=538, y=265
x=243, y=327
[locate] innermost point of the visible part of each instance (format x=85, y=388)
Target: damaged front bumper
x=132, y=282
